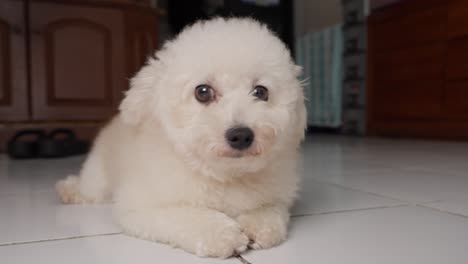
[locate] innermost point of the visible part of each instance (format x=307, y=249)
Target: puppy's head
x=226, y=94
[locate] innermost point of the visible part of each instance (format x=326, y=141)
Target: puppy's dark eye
x=261, y=92
x=204, y=93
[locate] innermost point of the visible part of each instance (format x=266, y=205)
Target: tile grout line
x=352, y=210
x=422, y=205
x=242, y=259
x=442, y=211
x=432, y=201
x=56, y=239
x=363, y=191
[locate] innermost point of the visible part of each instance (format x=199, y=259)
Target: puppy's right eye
x=204, y=93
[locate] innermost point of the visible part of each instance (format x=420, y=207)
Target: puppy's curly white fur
x=203, y=154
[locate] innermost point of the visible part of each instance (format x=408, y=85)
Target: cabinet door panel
x=89, y=68
x=13, y=82
x=77, y=61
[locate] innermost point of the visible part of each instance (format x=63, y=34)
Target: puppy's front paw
x=223, y=238
x=68, y=190
x=265, y=229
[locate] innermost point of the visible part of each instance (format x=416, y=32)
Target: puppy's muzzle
x=239, y=138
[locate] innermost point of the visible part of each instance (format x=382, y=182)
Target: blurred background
x=374, y=67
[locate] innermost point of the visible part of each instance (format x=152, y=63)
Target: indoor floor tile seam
x=352, y=210
x=424, y=205
x=403, y=202
x=242, y=259
x=57, y=239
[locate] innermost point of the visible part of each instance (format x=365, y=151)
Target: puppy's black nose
x=239, y=138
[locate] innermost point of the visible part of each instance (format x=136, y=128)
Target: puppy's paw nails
x=224, y=242
x=255, y=245
x=264, y=239
x=263, y=233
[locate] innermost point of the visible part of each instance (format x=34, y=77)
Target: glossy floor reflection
x=362, y=201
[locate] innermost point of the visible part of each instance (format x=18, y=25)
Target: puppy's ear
x=135, y=107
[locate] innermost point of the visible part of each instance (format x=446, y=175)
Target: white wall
x=313, y=15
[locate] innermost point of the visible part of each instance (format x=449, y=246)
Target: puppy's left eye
x=261, y=92
x=204, y=93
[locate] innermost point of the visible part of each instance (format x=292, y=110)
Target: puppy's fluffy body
x=164, y=159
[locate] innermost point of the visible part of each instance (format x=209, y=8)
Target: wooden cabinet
x=67, y=63
x=418, y=70
x=13, y=73
x=77, y=61
x=70, y=60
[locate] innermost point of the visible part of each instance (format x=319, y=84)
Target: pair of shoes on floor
x=36, y=143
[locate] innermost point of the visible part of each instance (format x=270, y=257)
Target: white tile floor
x=363, y=201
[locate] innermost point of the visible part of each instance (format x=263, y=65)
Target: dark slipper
x=25, y=144
x=60, y=143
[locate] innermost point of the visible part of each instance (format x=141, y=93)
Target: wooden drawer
x=457, y=59
x=410, y=29
x=457, y=18
x=425, y=62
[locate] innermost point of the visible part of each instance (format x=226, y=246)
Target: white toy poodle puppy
x=204, y=152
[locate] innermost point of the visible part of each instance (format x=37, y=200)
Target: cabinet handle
x=16, y=30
